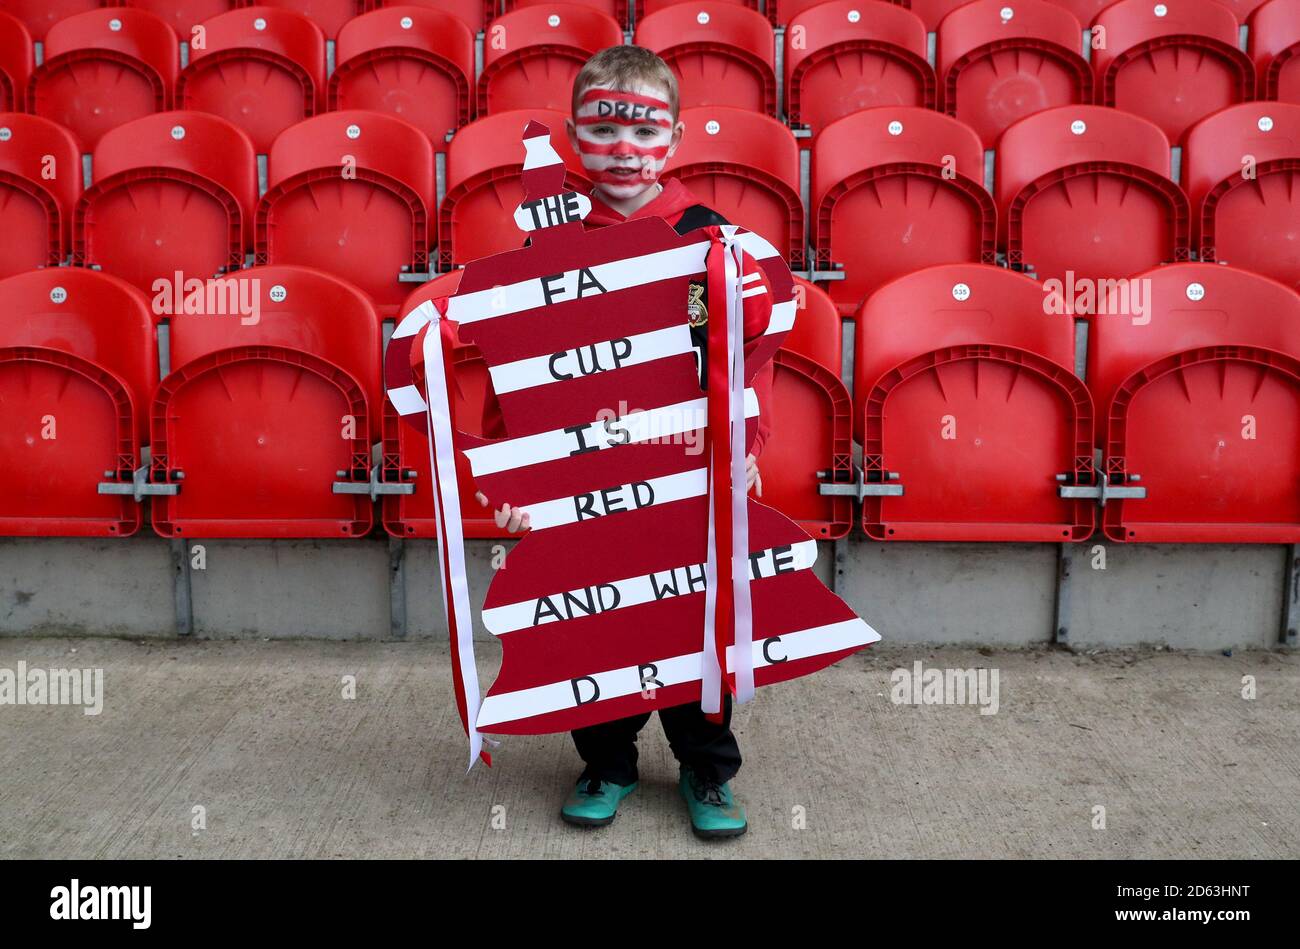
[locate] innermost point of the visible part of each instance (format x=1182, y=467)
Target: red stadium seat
x=966, y=392
x=722, y=54
x=104, y=68
x=39, y=15
x=838, y=61
x=173, y=194
x=412, y=62
x=1172, y=62
x=181, y=15
x=1000, y=60
x=1087, y=189
x=266, y=408
x=785, y=12
x=895, y=190
x=1275, y=48
x=1085, y=11
x=483, y=166
x=1202, y=400
x=932, y=12
x=40, y=182
x=406, y=451
x=78, y=366
x=473, y=13
x=615, y=9
x=1240, y=169
x=351, y=193
x=329, y=15
x=812, y=422
x=260, y=69
x=531, y=56
x=746, y=167
x=16, y=63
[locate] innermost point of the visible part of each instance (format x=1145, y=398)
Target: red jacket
x=683, y=211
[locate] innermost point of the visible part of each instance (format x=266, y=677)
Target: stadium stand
x=968, y=400
x=895, y=190
x=1087, y=189
x=1239, y=169
x=351, y=193
x=273, y=399
x=104, y=68
x=1199, y=394
x=838, y=61
x=260, y=69
x=1000, y=60
x=16, y=63
x=1275, y=48
x=483, y=165
x=746, y=167
x=413, y=62
x=533, y=53
x=78, y=366
x=172, y=198
x=1172, y=62
x=40, y=182
x=722, y=54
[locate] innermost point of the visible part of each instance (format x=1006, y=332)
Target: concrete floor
x=258, y=736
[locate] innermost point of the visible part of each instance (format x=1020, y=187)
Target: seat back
x=414, y=62
x=258, y=68
x=39, y=15
x=329, y=15
x=16, y=63
x=103, y=68
x=182, y=15
x=40, y=179
x=1275, y=48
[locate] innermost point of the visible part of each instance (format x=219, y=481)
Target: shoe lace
x=708, y=791
x=593, y=787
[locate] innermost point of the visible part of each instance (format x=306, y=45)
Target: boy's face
x=624, y=138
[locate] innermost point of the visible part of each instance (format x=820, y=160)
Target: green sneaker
x=594, y=803
x=714, y=811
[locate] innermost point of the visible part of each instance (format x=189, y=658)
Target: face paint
x=623, y=138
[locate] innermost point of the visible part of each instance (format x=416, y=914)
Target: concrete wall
x=1185, y=596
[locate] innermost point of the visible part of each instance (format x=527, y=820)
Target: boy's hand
x=512, y=519
x=753, y=480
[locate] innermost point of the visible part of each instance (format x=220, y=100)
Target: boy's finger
x=481, y=498
x=758, y=483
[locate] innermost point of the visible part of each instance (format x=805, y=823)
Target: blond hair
x=624, y=68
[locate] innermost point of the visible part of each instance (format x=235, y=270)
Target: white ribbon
x=743, y=654
x=446, y=496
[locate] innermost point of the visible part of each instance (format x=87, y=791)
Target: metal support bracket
x=859, y=488
x=1101, y=492
x=374, y=487
x=139, y=488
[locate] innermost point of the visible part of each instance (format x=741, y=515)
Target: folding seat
x=1201, y=393
x=1172, y=62
x=40, y=182
x=1240, y=168
x=473, y=13
x=616, y=9
x=260, y=69
x=746, y=167
x=812, y=422
x=267, y=419
x=482, y=188
x=351, y=193
x=104, y=68
x=895, y=190
x=172, y=199
x=969, y=403
x=39, y=15
x=406, y=451
x=838, y=61
x=1000, y=60
x=182, y=16
x=16, y=62
x=1085, y=190
x=531, y=55
x=78, y=366
x=329, y=15
x=1275, y=48
x=415, y=63
x=722, y=54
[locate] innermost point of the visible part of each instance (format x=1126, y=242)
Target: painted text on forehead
x=623, y=108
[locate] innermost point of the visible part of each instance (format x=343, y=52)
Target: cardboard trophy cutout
x=644, y=575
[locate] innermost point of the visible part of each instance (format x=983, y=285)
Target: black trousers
x=710, y=750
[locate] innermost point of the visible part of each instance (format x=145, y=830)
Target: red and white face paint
x=623, y=138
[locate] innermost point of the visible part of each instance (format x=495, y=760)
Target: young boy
x=624, y=128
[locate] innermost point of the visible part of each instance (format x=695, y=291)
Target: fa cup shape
x=646, y=580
